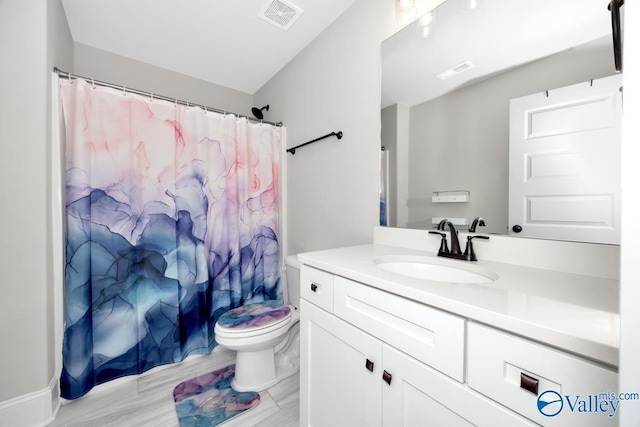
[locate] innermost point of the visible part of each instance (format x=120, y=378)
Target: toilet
x=265, y=336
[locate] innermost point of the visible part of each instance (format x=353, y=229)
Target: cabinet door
x=340, y=372
x=420, y=396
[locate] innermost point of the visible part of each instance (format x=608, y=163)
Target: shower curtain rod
x=67, y=75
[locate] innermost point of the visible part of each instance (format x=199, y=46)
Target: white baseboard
x=33, y=409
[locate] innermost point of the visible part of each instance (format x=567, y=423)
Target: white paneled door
x=564, y=163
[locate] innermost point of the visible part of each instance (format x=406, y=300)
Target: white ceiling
x=227, y=43
x=223, y=42
x=496, y=36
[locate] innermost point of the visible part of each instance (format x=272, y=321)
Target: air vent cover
x=280, y=13
x=455, y=70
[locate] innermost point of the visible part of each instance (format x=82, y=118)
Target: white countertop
x=573, y=312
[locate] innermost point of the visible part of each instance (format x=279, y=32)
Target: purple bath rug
x=209, y=400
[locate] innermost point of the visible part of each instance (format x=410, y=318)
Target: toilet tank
x=292, y=282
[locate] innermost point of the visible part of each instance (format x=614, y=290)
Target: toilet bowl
x=265, y=337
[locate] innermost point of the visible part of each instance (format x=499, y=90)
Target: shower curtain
x=171, y=220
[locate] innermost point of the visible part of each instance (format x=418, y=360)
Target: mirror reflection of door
x=453, y=134
x=564, y=163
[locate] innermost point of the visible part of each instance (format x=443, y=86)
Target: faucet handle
x=469, y=253
x=444, y=248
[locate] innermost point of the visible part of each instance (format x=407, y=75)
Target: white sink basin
x=429, y=268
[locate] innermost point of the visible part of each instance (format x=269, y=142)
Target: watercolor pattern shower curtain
x=171, y=220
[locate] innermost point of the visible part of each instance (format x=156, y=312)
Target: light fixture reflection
x=470, y=4
x=406, y=10
x=409, y=10
x=425, y=24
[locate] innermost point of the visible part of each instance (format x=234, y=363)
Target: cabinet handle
x=369, y=365
x=314, y=287
x=529, y=383
x=386, y=376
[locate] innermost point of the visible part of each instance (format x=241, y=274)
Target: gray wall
x=460, y=141
x=33, y=36
x=109, y=67
x=333, y=85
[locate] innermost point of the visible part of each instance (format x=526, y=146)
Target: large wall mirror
x=447, y=84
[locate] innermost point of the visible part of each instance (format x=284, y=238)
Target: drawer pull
x=386, y=376
x=529, y=383
x=369, y=365
x=314, y=287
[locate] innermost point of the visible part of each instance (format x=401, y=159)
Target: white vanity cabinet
x=579, y=391
x=419, y=396
x=370, y=358
x=340, y=372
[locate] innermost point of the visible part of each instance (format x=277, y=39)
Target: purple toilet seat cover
x=256, y=315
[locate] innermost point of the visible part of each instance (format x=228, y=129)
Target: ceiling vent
x=455, y=70
x=280, y=13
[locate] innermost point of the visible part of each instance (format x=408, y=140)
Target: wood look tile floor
x=147, y=400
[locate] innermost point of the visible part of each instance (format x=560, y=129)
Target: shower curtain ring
x=151, y=97
x=124, y=90
x=93, y=83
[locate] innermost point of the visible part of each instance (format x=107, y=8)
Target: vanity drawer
x=431, y=336
x=502, y=367
x=316, y=286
